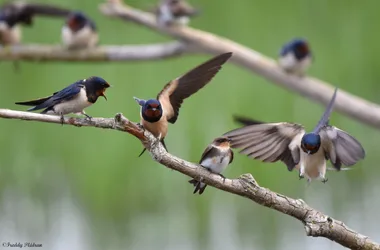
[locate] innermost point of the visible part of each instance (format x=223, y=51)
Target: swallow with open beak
x=174, y=12
x=72, y=99
x=289, y=143
x=79, y=32
x=157, y=113
x=216, y=157
x=295, y=57
x=20, y=12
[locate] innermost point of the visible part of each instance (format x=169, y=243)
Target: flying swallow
x=17, y=12
x=72, y=99
x=157, y=113
x=216, y=157
x=295, y=57
x=79, y=32
x=174, y=12
x=289, y=143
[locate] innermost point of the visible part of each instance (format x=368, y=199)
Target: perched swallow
x=157, y=113
x=216, y=157
x=174, y=12
x=288, y=142
x=295, y=57
x=79, y=32
x=72, y=99
x=17, y=12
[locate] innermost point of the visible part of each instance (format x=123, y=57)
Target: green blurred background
x=85, y=188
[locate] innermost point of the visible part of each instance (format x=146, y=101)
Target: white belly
x=313, y=166
x=84, y=38
x=9, y=36
x=75, y=105
x=216, y=164
x=291, y=64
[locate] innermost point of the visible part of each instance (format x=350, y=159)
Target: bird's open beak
x=105, y=97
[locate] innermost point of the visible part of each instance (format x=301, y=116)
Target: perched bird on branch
x=157, y=113
x=72, y=99
x=79, y=32
x=216, y=157
x=18, y=12
x=289, y=143
x=174, y=12
x=295, y=57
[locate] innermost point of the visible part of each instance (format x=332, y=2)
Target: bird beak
x=105, y=97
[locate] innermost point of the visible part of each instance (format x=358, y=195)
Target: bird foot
x=301, y=176
x=88, y=117
x=224, y=178
x=62, y=119
x=140, y=126
x=324, y=180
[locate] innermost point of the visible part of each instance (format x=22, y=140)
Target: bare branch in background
x=316, y=224
x=36, y=52
x=351, y=105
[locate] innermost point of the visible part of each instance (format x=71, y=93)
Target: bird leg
x=62, y=118
x=224, y=178
x=87, y=116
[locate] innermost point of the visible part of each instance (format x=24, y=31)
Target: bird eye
x=148, y=106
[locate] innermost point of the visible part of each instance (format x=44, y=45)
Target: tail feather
x=163, y=144
x=199, y=186
x=34, y=102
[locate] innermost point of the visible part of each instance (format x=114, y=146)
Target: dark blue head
x=310, y=143
x=77, y=20
x=299, y=47
x=95, y=87
x=151, y=110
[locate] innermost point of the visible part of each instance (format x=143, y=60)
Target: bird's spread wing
x=173, y=94
x=340, y=147
x=64, y=95
x=269, y=142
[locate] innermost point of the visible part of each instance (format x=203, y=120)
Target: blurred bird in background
x=174, y=12
x=295, y=57
x=13, y=14
x=79, y=32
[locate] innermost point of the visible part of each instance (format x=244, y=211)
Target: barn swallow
x=72, y=99
x=288, y=142
x=17, y=12
x=79, y=32
x=157, y=113
x=295, y=57
x=174, y=12
x=216, y=157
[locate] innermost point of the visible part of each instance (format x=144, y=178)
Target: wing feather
x=340, y=147
x=174, y=92
x=268, y=142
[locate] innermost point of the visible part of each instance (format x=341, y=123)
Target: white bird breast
x=75, y=105
x=216, y=164
x=84, y=38
x=9, y=35
x=290, y=63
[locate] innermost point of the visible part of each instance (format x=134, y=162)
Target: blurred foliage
x=134, y=203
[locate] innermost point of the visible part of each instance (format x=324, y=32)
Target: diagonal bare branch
x=315, y=89
x=316, y=224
